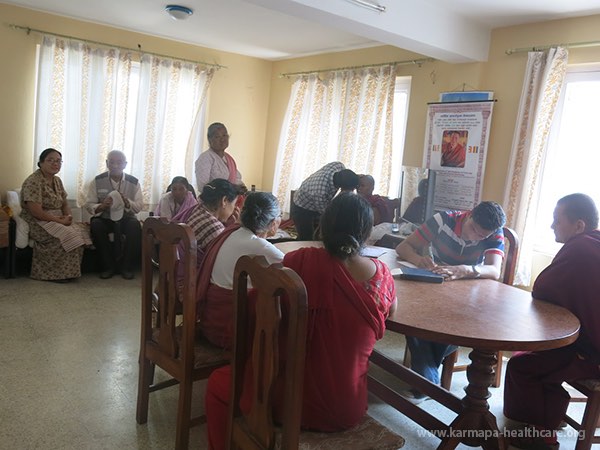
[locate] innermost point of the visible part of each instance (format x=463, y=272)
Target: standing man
x=215, y=162
x=113, y=199
x=464, y=244
x=533, y=391
x=315, y=193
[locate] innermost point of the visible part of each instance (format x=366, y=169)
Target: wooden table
x=483, y=314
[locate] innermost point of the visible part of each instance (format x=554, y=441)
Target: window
x=401, y=99
x=343, y=115
x=573, y=154
x=91, y=100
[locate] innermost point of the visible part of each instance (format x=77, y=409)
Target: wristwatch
x=476, y=271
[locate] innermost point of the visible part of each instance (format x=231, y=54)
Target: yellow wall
x=502, y=74
x=251, y=98
x=428, y=81
x=239, y=95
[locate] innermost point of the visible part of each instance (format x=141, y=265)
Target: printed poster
x=456, y=143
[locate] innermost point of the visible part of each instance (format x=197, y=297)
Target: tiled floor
x=68, y=373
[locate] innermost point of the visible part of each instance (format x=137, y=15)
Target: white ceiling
x=450, y=30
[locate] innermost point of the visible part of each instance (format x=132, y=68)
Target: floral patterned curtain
x=544, y=77
x=91, y=100
x=340, y=116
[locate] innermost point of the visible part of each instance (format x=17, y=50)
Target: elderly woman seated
x=260, y=218
x=59, y=244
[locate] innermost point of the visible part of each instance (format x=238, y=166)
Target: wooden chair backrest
x=277, y=291
x=511, y=253
x=176, y=247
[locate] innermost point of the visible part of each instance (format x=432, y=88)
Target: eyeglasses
x=52, y=161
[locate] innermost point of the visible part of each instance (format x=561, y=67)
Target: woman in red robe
x=349, y=298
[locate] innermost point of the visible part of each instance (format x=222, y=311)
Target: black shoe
x=107, y=274
x=64, y=280
x=127, y=274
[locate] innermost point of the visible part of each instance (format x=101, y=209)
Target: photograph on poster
x=454, y=148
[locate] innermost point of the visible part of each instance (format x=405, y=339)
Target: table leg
x=476, y=425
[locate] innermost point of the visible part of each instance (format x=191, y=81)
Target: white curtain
x=340, y=116
x=93, y=100
x=544, y=77
x=169, y=125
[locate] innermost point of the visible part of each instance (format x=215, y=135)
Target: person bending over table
x=349, y=299
x=464, y=244
x=533, y=391
x=260, y=218
x=315, y=193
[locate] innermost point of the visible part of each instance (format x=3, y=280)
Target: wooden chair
x=178, y=350
x=511, y=251
x=590, y=388
x=256, y=430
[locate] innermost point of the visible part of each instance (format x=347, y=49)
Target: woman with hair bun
x=349, y=299
x=216, y=207
x=260, y=218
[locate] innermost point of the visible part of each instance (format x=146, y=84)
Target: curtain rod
x=104, y=44
x=511, y=51
x=418, y=62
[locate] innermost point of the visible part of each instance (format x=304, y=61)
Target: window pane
x=401, y=98
x=573, y=154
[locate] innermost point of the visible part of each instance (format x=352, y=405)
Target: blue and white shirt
x=443, y=231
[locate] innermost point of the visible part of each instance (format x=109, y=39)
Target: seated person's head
x=485, y=218
x=180, y=187
x=366, y=185
x=346, y=224
x=219, y=197
x=574, y=214
x=261, y=213
x=346, y=180
x=50, y=161
x=116, y=162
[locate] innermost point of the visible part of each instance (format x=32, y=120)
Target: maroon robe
x=533, y=391
x=215, y=304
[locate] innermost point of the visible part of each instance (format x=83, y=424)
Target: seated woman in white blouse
x=260, y=218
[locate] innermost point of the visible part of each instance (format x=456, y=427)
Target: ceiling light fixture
x=178, y=12
x=368, y=5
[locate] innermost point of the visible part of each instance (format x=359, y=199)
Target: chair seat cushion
x=367, y=435
x=205, y=353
